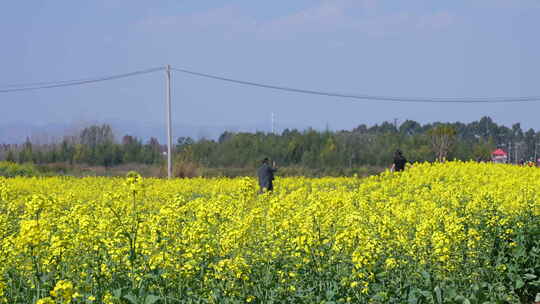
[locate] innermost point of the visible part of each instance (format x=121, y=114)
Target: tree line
x=310, y=148
x=94, y=146
x=373, y=146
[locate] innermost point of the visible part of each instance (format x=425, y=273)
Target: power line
x=44, y=83
x=363, y=96
x=75, y=82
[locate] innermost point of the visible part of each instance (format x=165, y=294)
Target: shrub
x=10, y=169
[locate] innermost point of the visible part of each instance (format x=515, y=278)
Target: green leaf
x=426, y=276
x=535, y=283
x=151, y=299
x=381, y=296
x=529, y=276
x=426, y=294
x=330, y=294
x=117, y=293
x=451, y=292
x=537, y=298
x=462, y=299
x=519, y=283
x=519, y=252
x=438, y=293
x=131, y=298
x=412, y=299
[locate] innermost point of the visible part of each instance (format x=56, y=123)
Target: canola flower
x=437, y=233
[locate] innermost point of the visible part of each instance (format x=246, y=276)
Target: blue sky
x=476, y=48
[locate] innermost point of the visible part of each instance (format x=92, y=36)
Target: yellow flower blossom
x=66, y=238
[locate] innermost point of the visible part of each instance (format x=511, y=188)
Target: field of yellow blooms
x=436, y=233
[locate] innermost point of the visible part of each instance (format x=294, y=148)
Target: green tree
x=152, y=152
x=10, y=157
x=97, y=143
x=482, y=150
x=132, y=149
x=26, y=154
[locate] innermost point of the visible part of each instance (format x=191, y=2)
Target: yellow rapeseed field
x=436, y=233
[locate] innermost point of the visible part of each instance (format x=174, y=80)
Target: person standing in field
x=266, y=175
x=399, y=161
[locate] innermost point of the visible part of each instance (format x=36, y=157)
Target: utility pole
x=169, y=130
x=398, y=134
x=511, y=150
x=509, y=153
x=535, y=153
x=272, y=121
x=516, y=152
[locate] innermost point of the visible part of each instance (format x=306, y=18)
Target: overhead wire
x=43, y=83
x=66, y=83
x=364, y=97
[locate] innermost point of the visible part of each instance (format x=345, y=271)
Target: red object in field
x=499, y=152
x=499, y=156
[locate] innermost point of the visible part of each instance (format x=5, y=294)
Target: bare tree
x=442, y=138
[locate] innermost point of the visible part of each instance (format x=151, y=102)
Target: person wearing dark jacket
x=399, y=161
x=266, y=175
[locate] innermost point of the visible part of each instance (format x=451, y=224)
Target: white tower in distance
x=273, y=123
